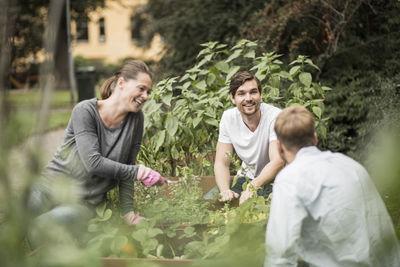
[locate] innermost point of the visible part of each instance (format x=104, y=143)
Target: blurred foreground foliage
x=383, y=164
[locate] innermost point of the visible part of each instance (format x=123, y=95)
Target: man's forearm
x=222, y=176
x=268, y=173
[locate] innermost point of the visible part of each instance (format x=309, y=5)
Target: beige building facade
x=113, y=33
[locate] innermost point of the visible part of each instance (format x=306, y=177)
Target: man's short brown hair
x=295, y=127
x=239, y=79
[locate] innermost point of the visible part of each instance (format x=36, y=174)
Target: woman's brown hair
x=129, y=70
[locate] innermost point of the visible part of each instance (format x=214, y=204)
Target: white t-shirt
x=326, y=210
x=251, y=147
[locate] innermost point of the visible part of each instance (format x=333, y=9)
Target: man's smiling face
x=247, y=98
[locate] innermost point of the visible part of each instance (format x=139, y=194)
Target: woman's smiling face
x=136, y=91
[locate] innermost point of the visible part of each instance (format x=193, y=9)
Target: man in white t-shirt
x=249, y=130
x=325, y=208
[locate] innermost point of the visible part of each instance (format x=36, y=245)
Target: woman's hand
x=149, y=177
x=132, y=218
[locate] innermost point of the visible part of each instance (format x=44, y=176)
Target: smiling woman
x=127, y=96
x=98, y=153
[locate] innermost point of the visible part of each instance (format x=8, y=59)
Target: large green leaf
x=96, y=242
x=211, y=78
x=140, y=235
x=250, y=54
x=293, y=71
x=149, y=244
x=232, y=72
x=222, y=66
x=211, y=121
x=275, y=81
x=201, y=85
x=151, y=106
x=317, y=111
x=167, y=99
x=171, y=124
x=309, y=62
x=107, y=215
x=235, y=54
x=160, y=139
x=154, y=232
x=196, y=121
x=186, y=85
x=305, y=78
x=174, y=152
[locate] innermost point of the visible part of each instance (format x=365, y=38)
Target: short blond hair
x=295, y=127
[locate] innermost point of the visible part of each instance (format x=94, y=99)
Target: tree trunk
x=61, y=70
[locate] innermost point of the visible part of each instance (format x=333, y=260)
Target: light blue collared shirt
x=326, y=210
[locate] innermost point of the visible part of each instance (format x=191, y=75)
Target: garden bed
x=186, y=235
x=183, y=226
x=122, y=262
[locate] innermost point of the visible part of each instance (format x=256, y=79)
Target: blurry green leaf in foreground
x=384, y=167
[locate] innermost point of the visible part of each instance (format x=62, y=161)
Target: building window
x=82, y=33
x=102, y=30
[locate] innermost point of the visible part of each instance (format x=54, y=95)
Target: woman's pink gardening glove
x=149, y=177
x=132, y=218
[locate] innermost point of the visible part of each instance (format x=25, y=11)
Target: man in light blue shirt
x=325, y=209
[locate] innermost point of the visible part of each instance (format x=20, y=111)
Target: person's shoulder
x=138, y=114
x=269, y=112
x=230, y=113
x=87, y=103
x=231, y=110
x=348, y=160
x=270, y=107
x=85, y=108
x=287, y=171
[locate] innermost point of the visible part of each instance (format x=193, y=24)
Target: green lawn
x=31, y=99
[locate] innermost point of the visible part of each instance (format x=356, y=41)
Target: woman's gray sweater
x=99, y=157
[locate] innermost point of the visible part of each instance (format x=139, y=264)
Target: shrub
x=182, y=114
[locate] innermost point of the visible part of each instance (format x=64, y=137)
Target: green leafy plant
x=195, y=231
x=106, y=235
x=146, y=233
x=182, y=114
x=174, y=203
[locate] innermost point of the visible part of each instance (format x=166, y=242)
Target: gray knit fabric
x=99, y=157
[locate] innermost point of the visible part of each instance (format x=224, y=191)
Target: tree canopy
x=319, y=29
x=184, y=25
x=29, y=24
